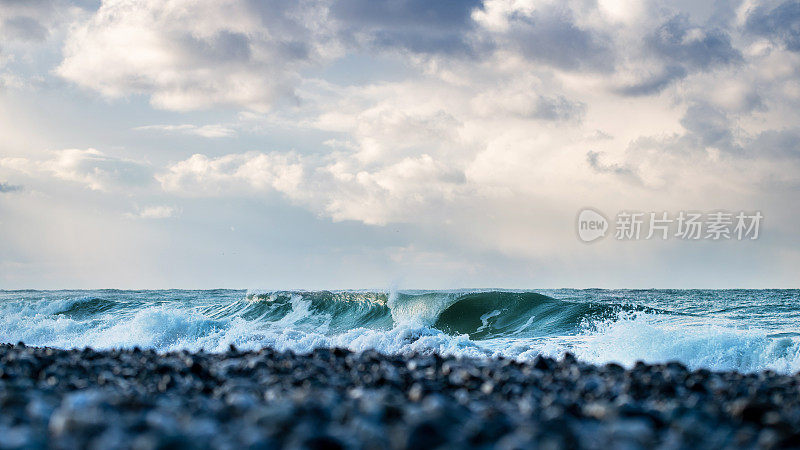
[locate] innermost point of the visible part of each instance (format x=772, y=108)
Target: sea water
x=745, y=330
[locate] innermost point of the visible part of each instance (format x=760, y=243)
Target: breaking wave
x=596, y=326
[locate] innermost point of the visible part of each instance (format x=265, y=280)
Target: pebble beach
x=334, y=398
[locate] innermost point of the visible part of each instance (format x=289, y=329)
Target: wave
x=85, y=306
x=479, y=314
x=710, y=344
x=488, y=323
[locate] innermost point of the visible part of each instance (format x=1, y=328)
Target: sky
x=359, y=144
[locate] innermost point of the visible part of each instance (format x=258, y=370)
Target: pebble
x=337, y=399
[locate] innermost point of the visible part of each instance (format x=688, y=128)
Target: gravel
x=135, y=398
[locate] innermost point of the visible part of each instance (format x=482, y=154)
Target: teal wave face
x=477, y=314
x=339, y=311
x=88, y=307
x=744, y=330
x=487, y=315
x=480, y=315
x=504, y=314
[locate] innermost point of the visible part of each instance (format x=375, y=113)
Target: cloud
x=201, y=175
x=696, y=47
x=155, y=212
x=777, y=143
x=778, y=24
x=549, y=34
x=527, y=103
x=676, y=49
x=189, y=55
x=6, y=188
x=36, y=21
x=24, y=28
x=478, y=125
x=90, y=168
x=709, y=126
x=624, y=172
x=193, y=55
x=396, y=192
x=252, y=55
x=654, y=84
x=336, y=187
x=468, y=122
x=20, y=23
x=413, y=25
x=21, y=20
x=206, y=131
x=29, y=39
x=712, y=149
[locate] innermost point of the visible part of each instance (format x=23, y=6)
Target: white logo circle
x=591, y=225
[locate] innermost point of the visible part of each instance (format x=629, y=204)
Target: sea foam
x=511, y=324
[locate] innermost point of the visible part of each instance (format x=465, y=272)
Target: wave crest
x=514, y=324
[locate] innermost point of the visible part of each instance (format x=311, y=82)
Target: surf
x=713, y=329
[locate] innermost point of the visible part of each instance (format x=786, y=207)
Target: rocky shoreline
x=53, y=398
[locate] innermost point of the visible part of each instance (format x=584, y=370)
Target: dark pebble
x=337, y=399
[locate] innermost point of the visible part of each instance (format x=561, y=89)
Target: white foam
x=625, y=339
x=420, y=310
x=709, y=343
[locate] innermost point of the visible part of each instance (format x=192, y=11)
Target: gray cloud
x=625, y=172
x=547, y=35
x=26, y=3
x=557, y=108
x=709, y=126
x=400, y=13
x=222, y=47
x=550, y=35
x=682, y=49
x=416, y=25
x=713, y=48
x=28, y=6
x=784, y=142
x=780, y=24
x=7, y=188
x=22, y=20
x=706, y=126
x=655, y=84
x=24, y=28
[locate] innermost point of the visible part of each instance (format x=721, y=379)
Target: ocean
x=743, y=330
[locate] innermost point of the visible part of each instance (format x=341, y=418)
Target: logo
x=591, y=225
x=629, y=225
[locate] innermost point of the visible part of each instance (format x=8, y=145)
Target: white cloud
x=501, y=121
x=339, y=188
x=200, y=175
x=196, y=54
x=206, y=131
x=155, y=212
x=90, y=168
x=507, y=124
x=28, y=30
